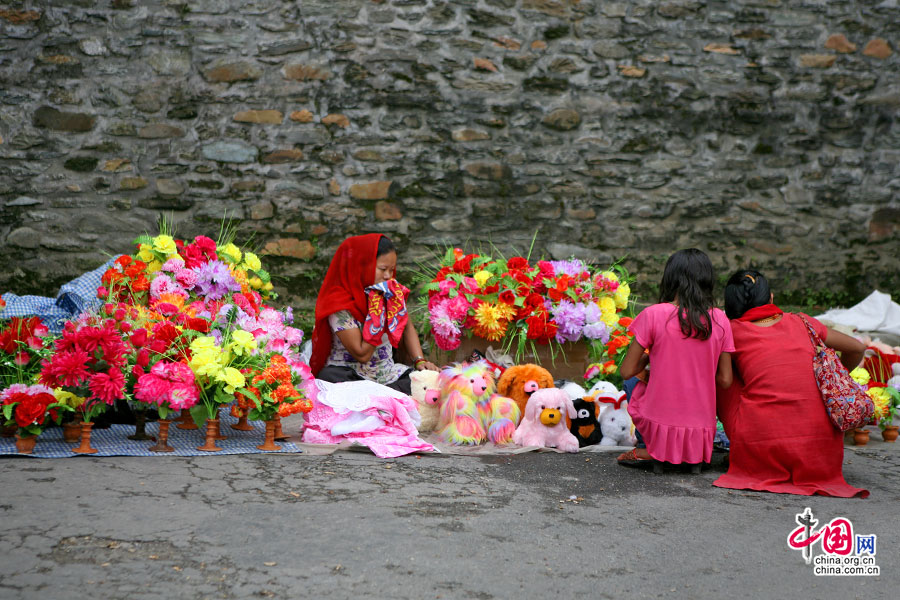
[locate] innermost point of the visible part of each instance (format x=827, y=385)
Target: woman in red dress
x=781, y=437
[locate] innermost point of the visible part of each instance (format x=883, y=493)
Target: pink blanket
x=396, y=437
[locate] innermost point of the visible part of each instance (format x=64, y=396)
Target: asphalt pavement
x=350, y=525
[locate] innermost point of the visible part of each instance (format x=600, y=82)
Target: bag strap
x=813, y=336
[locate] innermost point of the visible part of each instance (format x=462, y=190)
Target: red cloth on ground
x=352, y=269
x=781, y=437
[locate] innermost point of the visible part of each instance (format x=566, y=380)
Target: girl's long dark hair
x=745, y=289
x=689, y=278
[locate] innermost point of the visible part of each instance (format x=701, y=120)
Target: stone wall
x=763, y=131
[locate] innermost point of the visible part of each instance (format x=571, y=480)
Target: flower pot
x=219, y=434
x=185, y=421
x=242, y=424
x=25, y=443
x=162, y=443
x=270, y=444
x=72, y=432
x=279, y=434
x=140, y=426
x=212, y=425
x=85, y=447
x=860, y=437
x=889, y=434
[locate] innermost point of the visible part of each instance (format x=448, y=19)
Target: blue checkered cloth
x=114, y=441
x=74, y=298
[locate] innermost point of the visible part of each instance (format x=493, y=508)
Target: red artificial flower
x=197, y=324
x=507, y=297
x=139, y=337
x=65, y=368
x=464, y=265
x=143, y=357
x=32, y=408
x=516, y=262
x=557, y=292
x=442, y=273
x=536, y=327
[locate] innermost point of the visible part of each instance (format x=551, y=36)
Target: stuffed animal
x=470, y=410
x=585, y=426
x=543, y=423
x=573, y=389
x=426, y=392
x=520, y=381
x=616, y=425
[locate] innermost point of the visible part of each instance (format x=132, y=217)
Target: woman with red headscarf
x=361, y=316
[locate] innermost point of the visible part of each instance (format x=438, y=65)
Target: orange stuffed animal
x=520, y=381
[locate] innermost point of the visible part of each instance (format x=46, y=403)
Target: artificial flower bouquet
x=31, y=407
x=276, y=391
x=885, y=397
x=522, y=305
x=24, y=343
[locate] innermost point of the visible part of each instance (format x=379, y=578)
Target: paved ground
x=350, y=525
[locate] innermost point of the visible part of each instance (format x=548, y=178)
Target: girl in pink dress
x=687, y=341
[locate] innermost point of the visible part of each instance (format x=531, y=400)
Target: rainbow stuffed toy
x=470, y=410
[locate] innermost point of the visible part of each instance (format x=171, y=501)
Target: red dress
x=781, y=437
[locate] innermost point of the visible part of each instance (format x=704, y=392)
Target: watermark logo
x=843, y=552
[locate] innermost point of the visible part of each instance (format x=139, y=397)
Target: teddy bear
x=471, y=412
x=585, y=426
x=520, y=381
x=543, y=422
x=426, y=392
x=616, y=426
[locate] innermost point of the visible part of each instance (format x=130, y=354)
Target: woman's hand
x=358, y=348
x=426, y=365
x=852, y=350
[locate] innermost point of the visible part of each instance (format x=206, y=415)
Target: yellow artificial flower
x=607, y=310
x=206, y=342
x=242, y=342
x=882, y=400
x=240, y=276
x=145, y=253
x=154, y=266
x=610, y=275
x=67, y=398
x=492, y=320
x=268, y=287
x=232, y=378
x=482, y=277
x=164, y=244
x=251, y=262
x=256, y=283
x=621, y=296
x=231, y=252
x=860, y=376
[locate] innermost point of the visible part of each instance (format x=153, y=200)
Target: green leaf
x=200, y=412
x=449, y=257
x=8, y=410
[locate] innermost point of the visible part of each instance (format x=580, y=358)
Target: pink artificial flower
x=66, y=368
x=108, y=387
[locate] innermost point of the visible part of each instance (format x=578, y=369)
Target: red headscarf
x=351, y=270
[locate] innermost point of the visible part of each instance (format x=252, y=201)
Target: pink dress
x=675, y=411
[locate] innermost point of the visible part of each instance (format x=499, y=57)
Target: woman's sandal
x=630, y=459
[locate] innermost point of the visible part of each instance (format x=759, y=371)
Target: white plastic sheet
x=876, y=313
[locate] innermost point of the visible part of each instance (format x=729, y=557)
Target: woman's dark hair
x=745, y=289
x=385, y=245
x=689, y=278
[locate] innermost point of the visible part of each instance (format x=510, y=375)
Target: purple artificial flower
x=573, y=267
x=214, y=280
x=569, y=318
x=594, y=327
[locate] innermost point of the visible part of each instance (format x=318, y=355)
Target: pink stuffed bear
x=544, y=423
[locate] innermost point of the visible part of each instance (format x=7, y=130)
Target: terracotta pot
x=25, y=444
x=890, y=433
x=185, y=421
x=212, y=425
x=860, y=437
x=140, y=426
x=270, y=444
x=162, y=443
x=85, y=447
x=72, y=432
x=279, y=434
x=242, y=424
